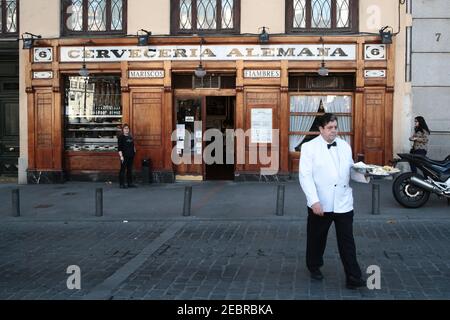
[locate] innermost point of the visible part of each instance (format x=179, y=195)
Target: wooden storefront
x=148, y=103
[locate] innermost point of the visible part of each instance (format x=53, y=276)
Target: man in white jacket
x=325, y=165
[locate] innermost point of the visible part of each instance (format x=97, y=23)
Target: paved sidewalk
x=212, y=259
x=232, y=247
x=223, y=200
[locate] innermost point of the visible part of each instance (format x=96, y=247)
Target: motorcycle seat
x=442, y=163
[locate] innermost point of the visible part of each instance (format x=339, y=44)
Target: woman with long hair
x=420, y=138
x=127, y=151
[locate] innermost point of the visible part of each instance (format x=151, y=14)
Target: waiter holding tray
x=325, y=167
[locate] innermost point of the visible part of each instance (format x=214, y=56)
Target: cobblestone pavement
x=217, y=259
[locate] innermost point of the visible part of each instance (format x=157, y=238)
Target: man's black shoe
x=131, y=186
x=316, y=275
x=123, y=186
x=355, y=283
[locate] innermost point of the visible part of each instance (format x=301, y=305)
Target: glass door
x=189, y=127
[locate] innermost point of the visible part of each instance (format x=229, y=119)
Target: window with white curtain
x=305, y=111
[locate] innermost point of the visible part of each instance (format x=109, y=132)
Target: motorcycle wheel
x=408, y=194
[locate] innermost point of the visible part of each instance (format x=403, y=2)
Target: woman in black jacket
x=126, y=153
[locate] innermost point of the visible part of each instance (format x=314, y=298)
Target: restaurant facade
x=174, y=85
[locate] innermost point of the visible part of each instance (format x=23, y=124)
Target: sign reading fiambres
x=262, y=73
x=213, y=52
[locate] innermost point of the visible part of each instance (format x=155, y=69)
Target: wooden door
x=147, y=125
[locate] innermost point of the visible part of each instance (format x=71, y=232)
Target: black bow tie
x=331, y=145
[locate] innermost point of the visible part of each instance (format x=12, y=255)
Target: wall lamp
x=29, y=40
x=386, y=35
x=263, y=36
x=143, y=37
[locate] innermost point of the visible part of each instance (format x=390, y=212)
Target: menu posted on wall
x=261, y=125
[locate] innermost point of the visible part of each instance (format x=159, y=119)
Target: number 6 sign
x=375, y=52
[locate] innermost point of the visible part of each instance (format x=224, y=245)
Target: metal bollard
x=280, y=200
x=99, y=202
x=15, y=203
x=187, y=201
x=375, y=198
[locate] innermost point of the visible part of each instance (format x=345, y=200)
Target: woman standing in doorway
x=419, y=138
x=127, y=151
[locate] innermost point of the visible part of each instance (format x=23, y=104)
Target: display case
x=93, y=113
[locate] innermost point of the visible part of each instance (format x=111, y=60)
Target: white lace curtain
x=303, y=123
x=340, y=104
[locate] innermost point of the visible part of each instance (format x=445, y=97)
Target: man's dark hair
x=326, y=118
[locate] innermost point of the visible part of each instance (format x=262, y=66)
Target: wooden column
x=125, y=90
x=358, y=143
x=284, y=118
x=58, y=140
x=389, y=104
x=240, y=120
x=167, y=113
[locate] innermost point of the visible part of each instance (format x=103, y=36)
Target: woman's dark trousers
x=417, y=152
x=127, y=165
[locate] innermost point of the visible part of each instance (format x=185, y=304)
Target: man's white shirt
x=325, y=174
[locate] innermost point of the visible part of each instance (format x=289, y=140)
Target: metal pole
x=99, y=202
x=15, y=203
x=187, y=201
x=375, y=198
x=280, y=200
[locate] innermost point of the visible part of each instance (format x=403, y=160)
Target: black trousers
x=419, y=152
x=317, y=233
x=126, y=165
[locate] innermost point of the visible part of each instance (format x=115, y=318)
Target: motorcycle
x=413, y=190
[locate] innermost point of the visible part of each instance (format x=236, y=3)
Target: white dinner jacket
x=319, y=178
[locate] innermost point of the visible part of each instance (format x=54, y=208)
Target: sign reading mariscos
x=213, y=52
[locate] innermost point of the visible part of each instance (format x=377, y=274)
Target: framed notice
x=261, y=125
x=180, y=131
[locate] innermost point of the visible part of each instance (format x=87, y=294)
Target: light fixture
x=386, y=36
x=84, y=72
x=323, y=70
x=200, y=72
x=28, y=41
x=143, y=38
x=263, y=36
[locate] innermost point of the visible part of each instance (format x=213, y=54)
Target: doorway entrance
x=193, y=116
x=220, y=116
x=9, y=109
